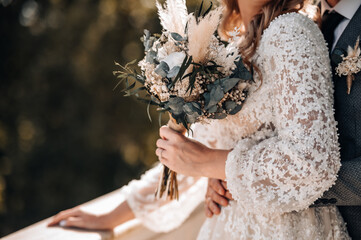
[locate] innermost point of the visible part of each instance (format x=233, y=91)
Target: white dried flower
x=174, y=59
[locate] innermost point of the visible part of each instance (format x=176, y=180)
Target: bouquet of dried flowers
x=188, y=72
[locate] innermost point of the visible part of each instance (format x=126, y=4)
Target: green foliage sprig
x=207, y=105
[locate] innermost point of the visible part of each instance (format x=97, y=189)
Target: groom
x=341, y=25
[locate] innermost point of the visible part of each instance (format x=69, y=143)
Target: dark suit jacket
x=346, y=193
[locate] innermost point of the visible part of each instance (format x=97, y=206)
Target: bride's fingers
x=207, y=211
x=162, y=143
x=167, y=133
x=63, y=215
x=216, y=185
x=74, y=222
x=218, y=198
x=224, y=184
x=228, y=195
x=214, y=207
x=162, y=154
x=159, y=152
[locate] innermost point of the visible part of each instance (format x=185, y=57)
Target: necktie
x=330, y=20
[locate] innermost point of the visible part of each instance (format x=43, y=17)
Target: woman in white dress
x=277, y=155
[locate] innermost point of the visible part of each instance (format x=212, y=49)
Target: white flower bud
x=175, y=59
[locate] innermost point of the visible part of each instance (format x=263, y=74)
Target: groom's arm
x=347, y=190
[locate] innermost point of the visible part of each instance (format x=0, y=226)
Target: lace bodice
x=284, y=145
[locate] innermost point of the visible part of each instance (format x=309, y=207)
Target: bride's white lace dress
x=285, y=150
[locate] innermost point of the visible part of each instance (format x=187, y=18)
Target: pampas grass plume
x=200, y=35
x=173, y=16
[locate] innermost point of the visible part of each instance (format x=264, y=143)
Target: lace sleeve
x=289, y=171
x=163, y=215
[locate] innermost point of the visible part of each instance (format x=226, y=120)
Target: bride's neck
x=248, y=9
x=332, y=3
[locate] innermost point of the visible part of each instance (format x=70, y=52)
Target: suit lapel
x=350, y=34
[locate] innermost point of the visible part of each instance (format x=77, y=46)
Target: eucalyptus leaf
x=162, y=69
x=177, y=36
x=212, y=109
x=213, y=85
x=229, y=83
x=149, y=44
x=197, y=105
x=192, y=112
x=207, y=98
x=188, y=108
x=220, y=116
x=192, y=107
x=173, y=72
x=236, y=109
x=241, y=71
x=151, y=56
x=192, y=118
x=146, y=34
x=148, y=41
x=216, y=95
x=175, y=104
x=230, y=105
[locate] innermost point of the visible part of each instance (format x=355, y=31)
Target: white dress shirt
x=346, y=8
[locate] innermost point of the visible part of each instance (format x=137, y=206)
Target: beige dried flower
x=350, y=65
x=173, y=16
x=200, y=34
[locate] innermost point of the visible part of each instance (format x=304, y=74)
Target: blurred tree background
x=65, y=136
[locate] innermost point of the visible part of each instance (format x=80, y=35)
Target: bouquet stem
x=168, y=179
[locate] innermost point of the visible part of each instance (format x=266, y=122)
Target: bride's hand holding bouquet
x=186, y=156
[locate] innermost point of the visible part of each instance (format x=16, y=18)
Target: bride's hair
x=232, y=18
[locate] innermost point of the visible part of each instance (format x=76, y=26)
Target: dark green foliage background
x=65, y=136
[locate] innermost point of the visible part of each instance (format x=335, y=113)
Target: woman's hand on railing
x=76, y=217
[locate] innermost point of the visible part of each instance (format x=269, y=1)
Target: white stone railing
x=131, y=230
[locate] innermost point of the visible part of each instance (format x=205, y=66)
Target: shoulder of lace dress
x=293, y=27
x=289, y=171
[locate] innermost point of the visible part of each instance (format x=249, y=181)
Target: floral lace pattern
x=285, y=152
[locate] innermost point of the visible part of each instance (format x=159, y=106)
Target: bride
x=277, y=155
